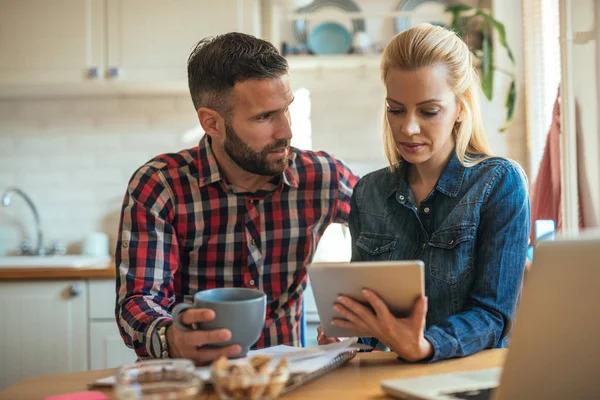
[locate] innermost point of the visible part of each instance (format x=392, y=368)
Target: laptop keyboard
x=481, y=394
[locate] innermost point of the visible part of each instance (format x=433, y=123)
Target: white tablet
x=398, y=283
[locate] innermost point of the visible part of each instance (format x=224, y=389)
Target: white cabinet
x=50, y=41
x=44, y=329
x=152, y=39
x=107, y=349
x=101, y=42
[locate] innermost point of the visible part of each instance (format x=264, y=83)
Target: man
x=243, y=208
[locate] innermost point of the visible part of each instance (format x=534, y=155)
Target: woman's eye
x=430, y=113
x=394, y=111
x=265, y=117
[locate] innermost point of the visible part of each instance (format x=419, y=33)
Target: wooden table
x=358, y=379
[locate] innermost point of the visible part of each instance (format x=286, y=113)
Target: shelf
x=334, y=61
x=325, y=16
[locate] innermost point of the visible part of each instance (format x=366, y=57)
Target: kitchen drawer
x=102, y=298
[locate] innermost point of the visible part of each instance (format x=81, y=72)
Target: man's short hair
x=217, y=63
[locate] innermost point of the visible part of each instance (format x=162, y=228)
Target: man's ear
x=210, y=120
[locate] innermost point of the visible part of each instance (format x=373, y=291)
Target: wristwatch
x=162, y=347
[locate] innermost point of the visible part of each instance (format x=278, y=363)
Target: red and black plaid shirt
x=184, y=229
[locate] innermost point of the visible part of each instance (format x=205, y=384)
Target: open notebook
x=305, y=363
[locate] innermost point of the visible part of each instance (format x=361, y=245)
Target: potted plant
x=476, y=27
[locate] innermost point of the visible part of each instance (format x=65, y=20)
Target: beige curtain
x=541, y=47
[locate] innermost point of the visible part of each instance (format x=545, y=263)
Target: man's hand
x=188, y=344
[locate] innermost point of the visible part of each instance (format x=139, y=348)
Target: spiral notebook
x=306, y=364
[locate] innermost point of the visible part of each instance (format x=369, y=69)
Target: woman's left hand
x=402, y=335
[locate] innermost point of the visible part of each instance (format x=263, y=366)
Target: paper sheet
x=301, y=359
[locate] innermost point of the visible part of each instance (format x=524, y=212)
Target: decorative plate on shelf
x=329, y=38
x=431, y=11
x=336, y=7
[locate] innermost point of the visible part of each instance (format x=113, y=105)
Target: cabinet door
x=43, y=330
x=107, y=349
x=150, y=40
x=50, y=41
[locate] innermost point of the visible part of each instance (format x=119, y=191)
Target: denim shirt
x=471, y=232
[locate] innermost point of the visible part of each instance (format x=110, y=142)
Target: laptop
x=554, y=350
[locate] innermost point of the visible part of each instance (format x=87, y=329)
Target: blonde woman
x=444, y=200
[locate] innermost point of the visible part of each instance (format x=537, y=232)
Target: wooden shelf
x=326, y=16
x=346, y=61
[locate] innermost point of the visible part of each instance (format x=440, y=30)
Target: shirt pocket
x=451, y=253
x=376, y=246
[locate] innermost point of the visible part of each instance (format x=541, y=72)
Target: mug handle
x=179, y=309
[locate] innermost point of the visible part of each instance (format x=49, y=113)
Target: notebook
x=306, y=363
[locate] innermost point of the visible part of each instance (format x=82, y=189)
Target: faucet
x=25, y=249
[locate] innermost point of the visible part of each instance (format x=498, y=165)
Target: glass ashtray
x=173, y=379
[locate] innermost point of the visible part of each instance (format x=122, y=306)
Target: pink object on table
x=80, y=396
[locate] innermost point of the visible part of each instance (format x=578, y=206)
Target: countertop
x=30, y=273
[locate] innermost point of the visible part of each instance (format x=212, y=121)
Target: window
x=541, y=31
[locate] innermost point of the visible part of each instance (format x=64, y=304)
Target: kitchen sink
x=67, y=261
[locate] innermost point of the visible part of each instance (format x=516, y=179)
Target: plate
x=427, y=9
x=329, y=38
x=340, y=7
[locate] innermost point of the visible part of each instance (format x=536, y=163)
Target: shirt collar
x=209, y=169
x=449, y=182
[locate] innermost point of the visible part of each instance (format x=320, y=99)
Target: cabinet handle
x=92, y=72
x=75, y=290
x=114, y=72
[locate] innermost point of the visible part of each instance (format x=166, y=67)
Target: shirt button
x=426, y=210
x=424, y=245
x=251, y=282
x=125, y=244
x=401, y=197
x=253, y=241
x=451, y=242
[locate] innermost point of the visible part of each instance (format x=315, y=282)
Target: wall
x=75, y=156
x=585, y=61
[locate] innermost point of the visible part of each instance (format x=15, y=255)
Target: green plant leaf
x=458, y=8
x=501, y=32
x=487, y=64
x=456, y=11
x=511, y=101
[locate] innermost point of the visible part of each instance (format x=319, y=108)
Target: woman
x=443, y=200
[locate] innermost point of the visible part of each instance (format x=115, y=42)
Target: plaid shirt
x=184, y=229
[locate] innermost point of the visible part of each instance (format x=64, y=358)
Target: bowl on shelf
x=329, y=38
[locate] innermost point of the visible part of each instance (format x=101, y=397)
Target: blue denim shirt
x=471, y=232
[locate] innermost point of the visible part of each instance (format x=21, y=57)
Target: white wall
x=586, y=62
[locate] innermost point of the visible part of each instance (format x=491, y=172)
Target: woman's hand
x=322, y=339
x=402, y=335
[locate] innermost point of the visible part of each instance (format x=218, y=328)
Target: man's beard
x=252, y=161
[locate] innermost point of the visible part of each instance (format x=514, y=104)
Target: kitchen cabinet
x=107, y=349
x=58, y=326
x=102, y=43
x=50, y=41
x=44, y=329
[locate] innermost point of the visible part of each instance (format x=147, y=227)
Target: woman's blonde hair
x=426, y=45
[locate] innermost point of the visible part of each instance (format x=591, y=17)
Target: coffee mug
x=241, y=310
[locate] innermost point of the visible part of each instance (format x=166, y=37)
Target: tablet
x=398, y=283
